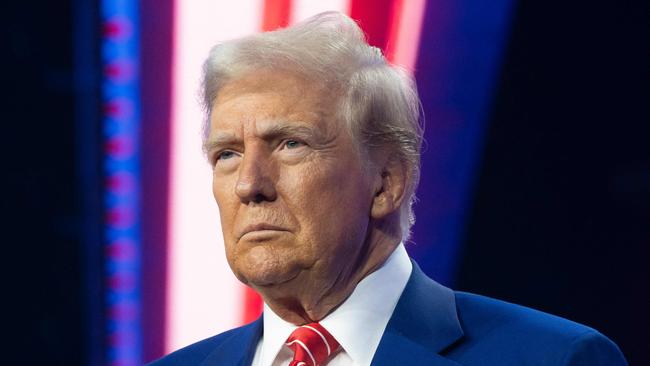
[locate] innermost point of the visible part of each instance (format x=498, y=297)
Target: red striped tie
x=312, y=345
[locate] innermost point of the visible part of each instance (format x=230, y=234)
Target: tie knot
x=312, y=345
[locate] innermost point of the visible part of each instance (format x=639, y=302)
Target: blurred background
x=535, y=186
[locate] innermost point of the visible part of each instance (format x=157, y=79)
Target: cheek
x=223, y=193
x=223, y=186
x=328, y=196
x=341, y=185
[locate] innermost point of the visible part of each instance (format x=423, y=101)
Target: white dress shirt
x=358, y=324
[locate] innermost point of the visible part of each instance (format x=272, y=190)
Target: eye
x=224, y=155
x=293, y=144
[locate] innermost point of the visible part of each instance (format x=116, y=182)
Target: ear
x=391, y=188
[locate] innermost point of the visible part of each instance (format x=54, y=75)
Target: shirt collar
x=276, y=332
x=359, y=322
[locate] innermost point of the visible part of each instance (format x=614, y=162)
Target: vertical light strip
x=277, y=14
x=404, y=38
x=203, y=296
x=303, y=9
x=120, y=90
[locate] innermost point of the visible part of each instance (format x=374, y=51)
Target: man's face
x=293, y=194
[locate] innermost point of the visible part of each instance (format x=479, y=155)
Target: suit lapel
x=423, y=324
x=239, y=348
x=396, y=349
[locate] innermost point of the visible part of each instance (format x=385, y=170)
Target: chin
x=265, y=266
x=260, y=278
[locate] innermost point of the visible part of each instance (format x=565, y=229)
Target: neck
x=311, y=296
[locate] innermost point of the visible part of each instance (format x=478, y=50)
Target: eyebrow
x=270, y=133
x=223, y=139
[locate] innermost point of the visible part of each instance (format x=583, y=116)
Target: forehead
x=266, y=97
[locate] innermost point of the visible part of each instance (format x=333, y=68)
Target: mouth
x=260, y=229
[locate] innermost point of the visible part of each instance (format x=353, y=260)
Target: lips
x=259, y=227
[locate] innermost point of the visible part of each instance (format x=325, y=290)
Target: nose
x=255, y=183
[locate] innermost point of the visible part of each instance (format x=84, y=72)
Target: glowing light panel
x=303, y=9
x=121, y=124
x=204, y=297
x=404, y=40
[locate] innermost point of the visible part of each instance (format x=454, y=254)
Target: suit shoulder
x=512, y=333
x=195, y=353
x=593, y=348
x=486, y=314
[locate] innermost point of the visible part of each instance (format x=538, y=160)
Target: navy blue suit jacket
x=433, y=325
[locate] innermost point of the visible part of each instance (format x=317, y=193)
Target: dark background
x=559, y=218
x=42, y=223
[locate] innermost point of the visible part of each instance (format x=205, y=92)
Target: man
x=314, y=142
